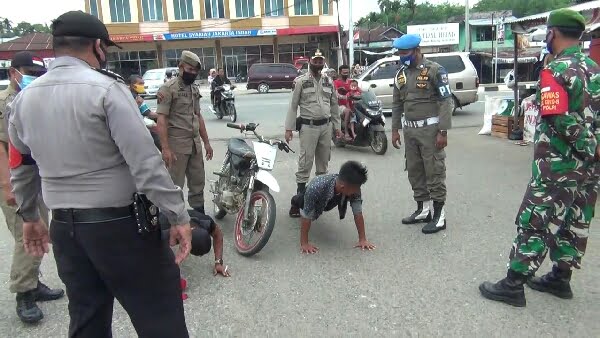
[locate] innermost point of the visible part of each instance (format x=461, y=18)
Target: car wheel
x=263, y=88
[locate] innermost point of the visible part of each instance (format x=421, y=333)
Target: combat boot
x=438, y=222
x=509, y=290
x=555, y=282
x=421, y=215
x=44, y=294
x=27, y=309
x=295, y=209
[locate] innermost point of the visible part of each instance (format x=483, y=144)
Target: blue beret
x=407, y=41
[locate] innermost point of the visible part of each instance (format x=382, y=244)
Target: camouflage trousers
x=571, y=209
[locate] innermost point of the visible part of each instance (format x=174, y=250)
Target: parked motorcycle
x=243, y=187
x=226, y=106
x=370, y=124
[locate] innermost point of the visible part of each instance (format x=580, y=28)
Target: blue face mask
x=26, y=80
x=549, y=38
x=408, y=59
x=144, y=108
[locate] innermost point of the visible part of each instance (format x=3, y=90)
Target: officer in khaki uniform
x=315, y=95
x=25, y=269
x=181, y=127
x=423, y=108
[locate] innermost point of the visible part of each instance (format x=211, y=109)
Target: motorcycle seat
x=239, y=147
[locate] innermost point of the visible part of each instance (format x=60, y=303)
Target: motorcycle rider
x=219, y=81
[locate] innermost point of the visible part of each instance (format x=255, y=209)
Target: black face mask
x=188, y=78
x=344, y=77
x=102, y=64
x=316, y=69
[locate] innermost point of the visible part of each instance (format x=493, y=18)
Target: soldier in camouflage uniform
x=565, y=171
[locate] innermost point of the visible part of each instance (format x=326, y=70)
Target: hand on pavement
x=36, y=238
x=365, y=245
x=182, y=235
x=308, y=249
x=220, y=270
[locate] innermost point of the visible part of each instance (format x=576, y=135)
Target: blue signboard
x=236, y=33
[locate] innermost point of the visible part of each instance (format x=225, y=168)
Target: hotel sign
x=436, y=34
x=236, y=33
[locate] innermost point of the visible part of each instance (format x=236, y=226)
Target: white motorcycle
x=243, y=187
x=226, y=106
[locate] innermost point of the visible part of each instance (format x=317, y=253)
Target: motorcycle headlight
x=373, y=112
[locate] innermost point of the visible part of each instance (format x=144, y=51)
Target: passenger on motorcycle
x=203, y=229
x=327, y=192
x=354, y=92
x=220, y=80
x=342, y=82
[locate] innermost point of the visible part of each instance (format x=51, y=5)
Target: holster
x=298, y=123
x=146, y=214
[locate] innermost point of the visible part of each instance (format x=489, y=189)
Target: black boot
x=555, y=282
x=421, y=215
x=27, y=309
x=200, y=209
x=295, y=209
x=510, y=290
x=438, y=222
x=43, y=293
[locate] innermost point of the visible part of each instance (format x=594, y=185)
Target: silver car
x=464, y=81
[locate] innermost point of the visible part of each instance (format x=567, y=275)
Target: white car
x=154, y=78
x=4, y=84
x=463, y=77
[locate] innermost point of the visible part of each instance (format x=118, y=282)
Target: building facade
x=233, y=34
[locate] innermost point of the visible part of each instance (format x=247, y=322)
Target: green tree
x=521, y=8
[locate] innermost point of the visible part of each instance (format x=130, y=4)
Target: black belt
x=314, y=122
x=96, y=215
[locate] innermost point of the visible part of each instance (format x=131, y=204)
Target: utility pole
x=337, y=3
x=351, y=34
x=467, y=28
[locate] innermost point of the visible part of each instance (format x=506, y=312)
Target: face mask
x=344, y=77
x=549, y=38
x=188, y=78
x=316, y=68
x=26, y=80
x=138, y=88
x=102, y=64
x=408, y=59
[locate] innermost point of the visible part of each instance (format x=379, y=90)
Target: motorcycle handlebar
x=235, y=126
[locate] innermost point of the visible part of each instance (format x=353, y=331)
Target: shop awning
x=524, y=24
x=579, y=8
x=307, y=30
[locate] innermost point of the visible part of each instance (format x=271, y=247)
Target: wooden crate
x=503, y=125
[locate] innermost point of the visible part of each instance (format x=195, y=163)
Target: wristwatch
x=443, y=132
x=219, y=261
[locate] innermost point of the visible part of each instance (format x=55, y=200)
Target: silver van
x=464, y=81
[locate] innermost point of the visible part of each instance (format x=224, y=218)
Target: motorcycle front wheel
x=252, y=235
x=232, y=113
x=379, y=143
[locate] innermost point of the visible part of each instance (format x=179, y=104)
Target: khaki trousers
x=190, y=166
x=315, y=147
x=25, y=269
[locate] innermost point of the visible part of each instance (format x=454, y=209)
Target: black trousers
x=99, y=262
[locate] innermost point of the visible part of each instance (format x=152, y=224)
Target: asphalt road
x=411, y=285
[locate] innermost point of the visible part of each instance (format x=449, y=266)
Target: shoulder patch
x=110, y=74
x=159, y=97
x=15, y=159
x=554, y=99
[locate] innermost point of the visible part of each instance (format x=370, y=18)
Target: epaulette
x=110, y=74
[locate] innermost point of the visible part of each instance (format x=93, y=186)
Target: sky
x=47, y=10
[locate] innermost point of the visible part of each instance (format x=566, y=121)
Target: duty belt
x=420, y=123
x=314, y=122
x=96, y=215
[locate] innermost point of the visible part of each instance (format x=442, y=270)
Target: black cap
x=27, y=59
x=78, y=23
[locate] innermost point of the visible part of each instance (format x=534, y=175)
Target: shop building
x=233, y=34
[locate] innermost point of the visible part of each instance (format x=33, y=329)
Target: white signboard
x=437, y=34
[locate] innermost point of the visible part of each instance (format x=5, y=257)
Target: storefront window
x=244, y=8
x=289, y=52
x=134, y=62
x=214, y=9
x=274, y=8
x=206, y=55
x=237, y=60
x=303, y=7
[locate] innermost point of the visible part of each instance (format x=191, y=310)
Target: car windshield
x=154, y=75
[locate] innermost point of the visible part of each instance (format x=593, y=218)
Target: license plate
x=366, y=122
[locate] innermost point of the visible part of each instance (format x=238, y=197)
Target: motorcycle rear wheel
x=379, y=143
x=264, y=231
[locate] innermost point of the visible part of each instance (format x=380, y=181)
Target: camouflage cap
x=566, y=18
x=191, y=59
